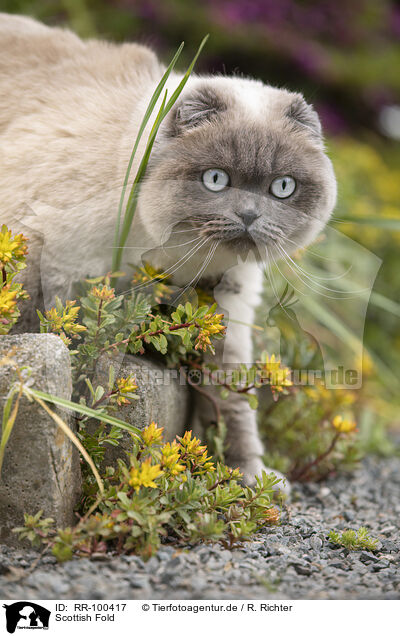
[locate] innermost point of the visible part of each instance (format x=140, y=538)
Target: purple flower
x=332, y=121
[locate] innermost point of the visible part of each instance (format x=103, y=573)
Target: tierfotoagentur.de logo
x=26, y=615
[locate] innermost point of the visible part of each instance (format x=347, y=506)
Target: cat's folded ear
x=193, y=109
x=304, y=115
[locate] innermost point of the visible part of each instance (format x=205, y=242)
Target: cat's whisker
x=307, y=249
x=270, y=277
x=169, y=247
x=270, y=274
x=314, y=276
x=171, y=270
x=197, y=277
x=164, y=247
x=338, y=296
x=288, y=281
x=341, y=294
x=171, y=225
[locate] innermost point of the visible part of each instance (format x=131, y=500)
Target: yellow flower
x=170, y=458
x=210, y=325
x=125, y=387
x=193, y=453
x=191, y=445
x=11, y=248
x=8, y=307
x=148, y=273
x=152, y=434
x=160, y=280
x=344, y=426
x=7, y=300
x=145, y=475
x=104, y=293
x=61, y=318
x=274, y=373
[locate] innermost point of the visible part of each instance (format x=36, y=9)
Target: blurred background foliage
x=344, y=56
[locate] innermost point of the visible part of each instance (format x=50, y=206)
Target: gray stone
x=302, y=568
x=163, y=398
x=4, y=566
x=383, y=563
x=41, y=465
x=316, y=543
x=368, y=557
x=137, y=581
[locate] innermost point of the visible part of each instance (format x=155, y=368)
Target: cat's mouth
x=242, y=241
x=232, y=235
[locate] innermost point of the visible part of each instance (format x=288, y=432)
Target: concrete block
x=41, y=467
x=163, y=397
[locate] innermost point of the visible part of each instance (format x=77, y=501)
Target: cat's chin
x=245, y=247
x=241, y=244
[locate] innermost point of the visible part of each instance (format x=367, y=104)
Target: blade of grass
x=381, y=222
x=385, y=303
x=132, y=200
x=9, y=418
x=133, y=196
x=84, y=410
x=143, y=125
x=67, y=431
x=336, y=325
x=376, y=299
x=164, y=111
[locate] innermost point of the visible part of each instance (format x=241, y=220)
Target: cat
x=237, y=176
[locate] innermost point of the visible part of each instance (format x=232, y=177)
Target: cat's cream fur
x=69, y=113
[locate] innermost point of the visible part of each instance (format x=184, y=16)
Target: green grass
x=353, y=540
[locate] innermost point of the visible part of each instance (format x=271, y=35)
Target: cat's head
x=241, y=164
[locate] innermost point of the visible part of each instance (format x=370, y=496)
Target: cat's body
x=69, y=114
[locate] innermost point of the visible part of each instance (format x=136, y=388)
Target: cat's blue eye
x=283, y=187
x=215, y=179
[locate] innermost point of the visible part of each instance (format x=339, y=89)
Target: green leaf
x=90, y=387
x=123, y=497
x=99, y=393
x=186, y=339
x=380, y=222
x=224, y=393
x=201, y=312
x=84, y=410
x=252, y=400
x=121, y=237
x=188, y=311
x=111, y=376
x=136, y=516
x=147, y=115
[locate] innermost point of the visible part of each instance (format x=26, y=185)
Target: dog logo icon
x=26, y=615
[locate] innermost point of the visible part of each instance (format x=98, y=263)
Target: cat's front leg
x=244, y=446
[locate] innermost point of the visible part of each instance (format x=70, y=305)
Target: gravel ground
x=292, y=561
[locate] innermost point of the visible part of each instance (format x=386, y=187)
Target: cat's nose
x=248, y=216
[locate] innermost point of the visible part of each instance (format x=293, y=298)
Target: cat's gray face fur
x=212, y=127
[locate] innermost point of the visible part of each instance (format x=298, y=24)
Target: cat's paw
x=255, y=466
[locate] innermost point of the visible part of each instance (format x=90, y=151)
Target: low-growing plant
x=310, y=433
x=164, y=492
x=354, y=540
x=13, y=250
x=172, y=491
